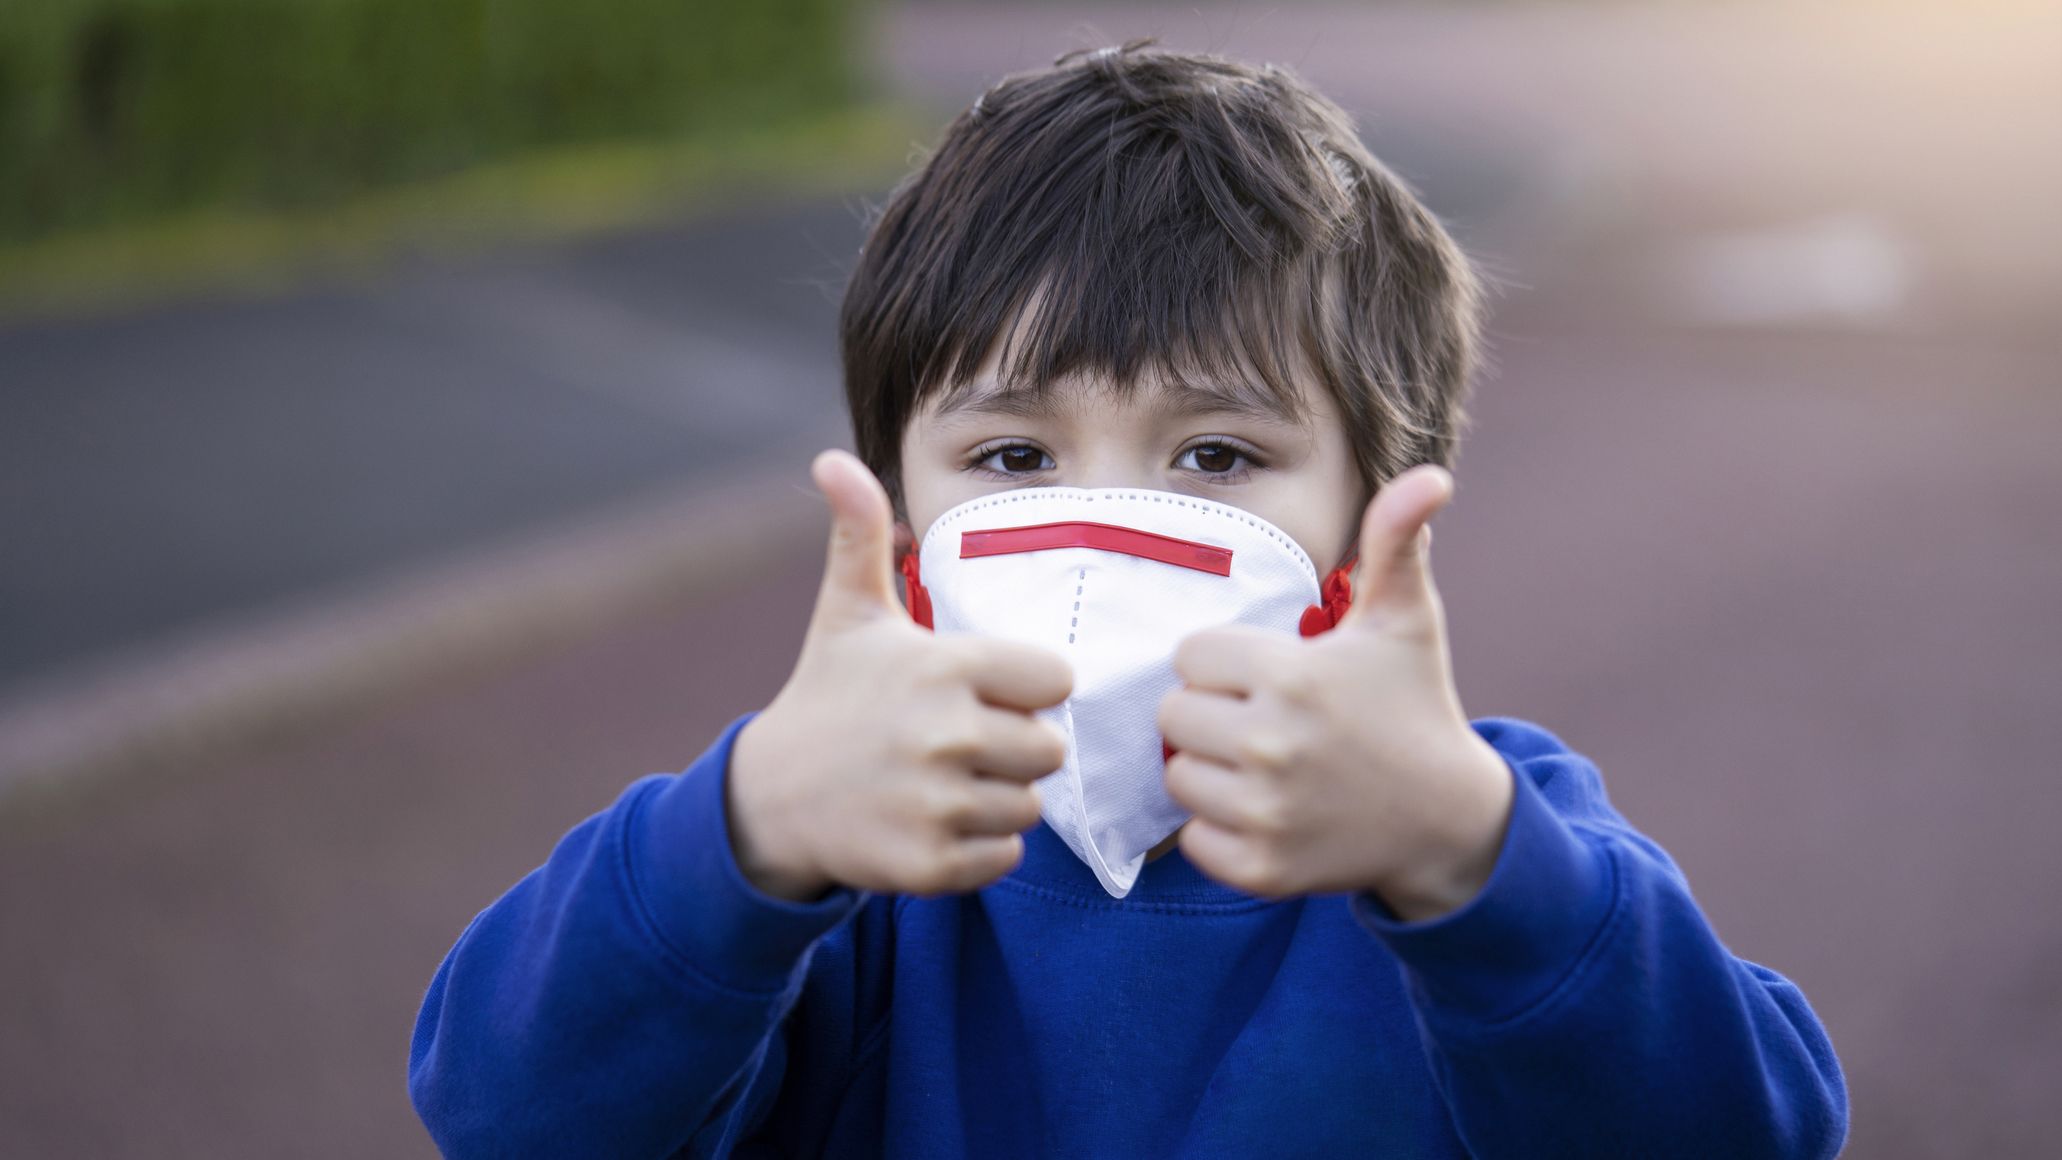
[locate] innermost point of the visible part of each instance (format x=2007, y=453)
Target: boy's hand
x=1343, y=761
x=893, y=759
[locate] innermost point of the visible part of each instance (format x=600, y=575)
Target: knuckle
x=1199, y=648
x=1180, y=781
x=1269, y=749
x=1263, y=872
x=932, y=873
x=962, y=866
x=1051, y=746
x=1294, y=683
x=1010, y=808
x=1268, y=814
x=944, y=662
x=1025, y=810
x=1417, y=624
x=951, y=738
x=1037, y=676
x=952, y=808
x=1435, y=612
x=1169, y=714
x=903, y=870
x=1052, y=670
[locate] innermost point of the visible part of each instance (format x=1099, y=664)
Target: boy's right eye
x=1012, y=459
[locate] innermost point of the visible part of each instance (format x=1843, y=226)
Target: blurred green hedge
x=117, y=109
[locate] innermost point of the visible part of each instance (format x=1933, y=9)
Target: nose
x=1114, y=463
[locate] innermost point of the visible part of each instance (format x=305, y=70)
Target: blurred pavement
x=1787, y=574
x=172, y=465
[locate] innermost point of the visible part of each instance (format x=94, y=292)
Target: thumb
x=1395, y=575
x=858, y=579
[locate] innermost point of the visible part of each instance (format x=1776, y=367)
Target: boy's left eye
x=1012, y=459
x=1213, y=459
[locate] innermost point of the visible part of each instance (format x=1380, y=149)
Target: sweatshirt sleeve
x=1581, y=1005
x=626, y=997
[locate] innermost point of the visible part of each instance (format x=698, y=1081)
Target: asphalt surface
x=1792, y=586
x=165, y=468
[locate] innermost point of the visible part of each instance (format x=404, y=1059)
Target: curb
x=228, y=684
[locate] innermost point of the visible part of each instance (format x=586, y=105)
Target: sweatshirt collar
x=1050, y=865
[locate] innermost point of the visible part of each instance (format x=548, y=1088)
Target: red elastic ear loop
x=1336, y=595
x=919, y=601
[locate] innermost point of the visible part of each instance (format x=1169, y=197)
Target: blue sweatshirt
x=635, y=996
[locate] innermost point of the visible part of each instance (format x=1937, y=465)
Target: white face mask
x=1112, y=580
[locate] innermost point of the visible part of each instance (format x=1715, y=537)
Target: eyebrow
x=1040, y=402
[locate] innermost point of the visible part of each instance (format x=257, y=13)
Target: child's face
x=1299, y=477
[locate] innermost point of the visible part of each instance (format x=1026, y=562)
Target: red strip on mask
x=1103, y=537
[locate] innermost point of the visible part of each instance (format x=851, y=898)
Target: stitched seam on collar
x=1170, y=904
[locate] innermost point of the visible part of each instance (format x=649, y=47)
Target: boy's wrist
x=1461, y=845
x=700, y=908
x=755, y=838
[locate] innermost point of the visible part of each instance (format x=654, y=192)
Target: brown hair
x=1163, y=212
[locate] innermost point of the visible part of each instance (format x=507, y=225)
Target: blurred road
x=165, y=467
x=1788, y=577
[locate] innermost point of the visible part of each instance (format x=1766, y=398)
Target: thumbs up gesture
x=1342, y=762
x=893, y=759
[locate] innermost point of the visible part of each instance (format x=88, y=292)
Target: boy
x=916, y=908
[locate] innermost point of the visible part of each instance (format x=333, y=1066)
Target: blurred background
x=405, y=410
